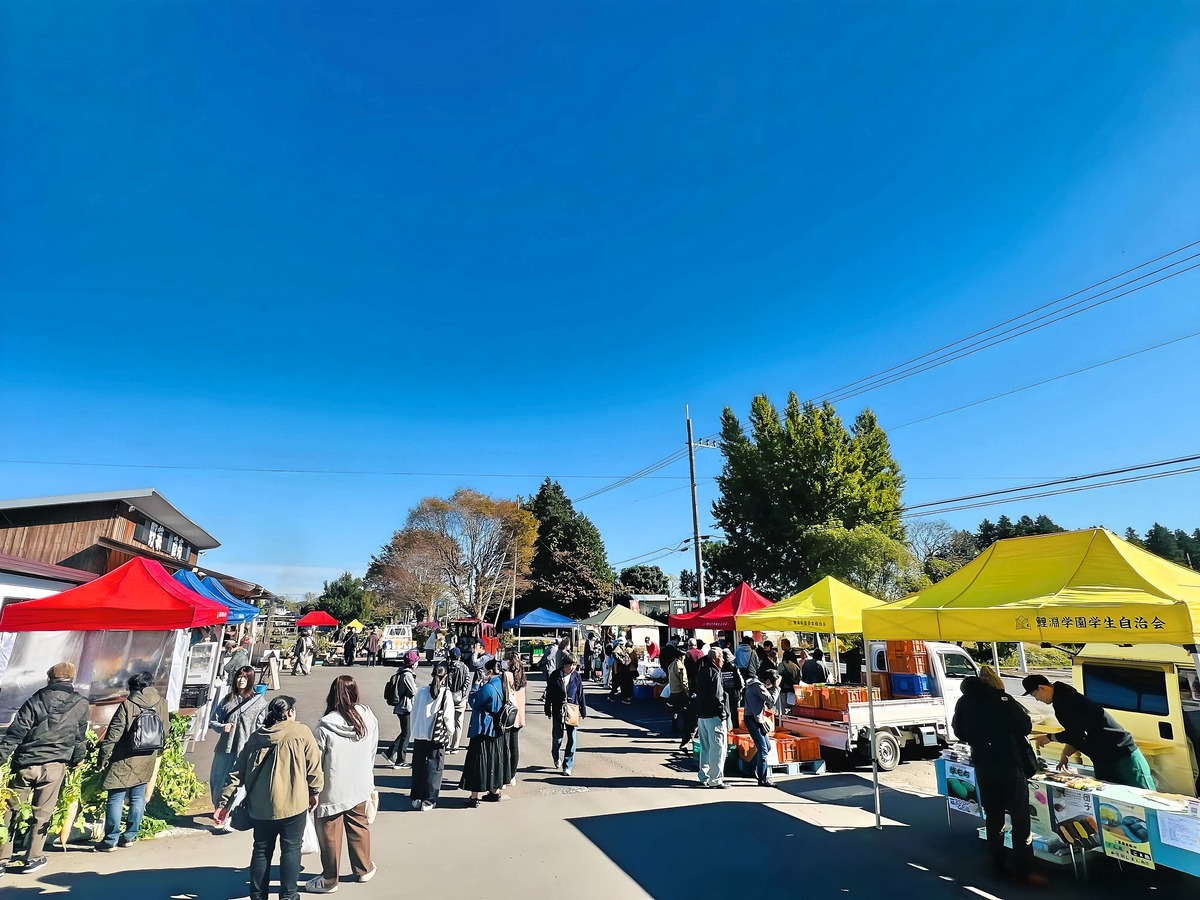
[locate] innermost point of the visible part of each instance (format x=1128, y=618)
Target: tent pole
x=837, y=661
x=871, y=721
x=996, y=657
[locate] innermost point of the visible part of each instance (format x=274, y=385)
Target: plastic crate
x=908, y=664
x=658, y=689
x=906, y=648
x=643, y=692
x=905, y=685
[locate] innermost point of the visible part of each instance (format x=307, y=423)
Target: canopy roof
x=828, y=607
x=621, y=617
x=138, y=596
x=1075, y=586
x=722, y=613
x=238, y=611
x=539, y=618
x=318, y=618
x=356, y=625
x=221, y=593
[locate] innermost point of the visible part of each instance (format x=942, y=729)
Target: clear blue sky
x=515, y=239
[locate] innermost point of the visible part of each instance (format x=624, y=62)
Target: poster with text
x=1126, y=836
x=1073, y=817
x=962, y=793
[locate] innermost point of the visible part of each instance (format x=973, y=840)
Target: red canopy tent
x=139, y=596
x=318, y=618
x=720, y=614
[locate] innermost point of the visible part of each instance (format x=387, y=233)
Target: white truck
x=397, y=640
x=921, y=721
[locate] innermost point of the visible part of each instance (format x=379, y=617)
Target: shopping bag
x=372, y=809
x=310, y=836
x=666, y=692
x=772, y=753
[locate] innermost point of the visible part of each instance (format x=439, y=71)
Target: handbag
x=372, y=809
x=309, y=843
x=766, y=722
x=570, y=714
x=666, y=693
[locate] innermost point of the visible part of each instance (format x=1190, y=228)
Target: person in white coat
x=433, y=721
x=347, y=736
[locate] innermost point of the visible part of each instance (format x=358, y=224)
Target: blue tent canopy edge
x=539, y=618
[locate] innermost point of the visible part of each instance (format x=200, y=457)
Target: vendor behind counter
x=1089, y=729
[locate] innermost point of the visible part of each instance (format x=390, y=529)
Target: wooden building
x=98, y=532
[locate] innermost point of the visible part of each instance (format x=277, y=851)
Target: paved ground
x=630, y=823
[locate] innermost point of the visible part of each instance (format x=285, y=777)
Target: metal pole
x=996, y=657
x=695, y=512
x=871, y=721
x=1022, y=664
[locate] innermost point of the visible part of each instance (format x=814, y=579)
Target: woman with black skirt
x=432, y=727
x=514, y=675
x=487, y=753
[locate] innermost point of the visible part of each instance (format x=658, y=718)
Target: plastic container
x=643, y=692
x=905, y=685
x=908, y=664
x=260, y=689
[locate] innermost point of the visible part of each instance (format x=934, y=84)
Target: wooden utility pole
x=695, y=512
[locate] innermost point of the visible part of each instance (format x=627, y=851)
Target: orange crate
x=746, y=748
x=882, y=685
x=809, y=748
x=906, y=664
x=788, y=749
x=741, y=718
x=906, y=648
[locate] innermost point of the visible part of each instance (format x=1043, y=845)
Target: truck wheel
x=887, y=751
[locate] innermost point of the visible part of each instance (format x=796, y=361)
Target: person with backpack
x=136, y=737
x=458, y=680
x=432, y=728
x=280, y=769
x=484, y=769
x=47, y=736
x=235, y=718
x=565, y=707
x=347, y=736
x=399, y=693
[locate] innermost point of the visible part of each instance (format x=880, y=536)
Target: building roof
x=19, y=566
x=145, y=500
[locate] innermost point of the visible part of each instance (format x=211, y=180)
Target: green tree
x=569, y=572
x=868, y=559
x=1133, y=537
x=987, y=533
x=644, y=580
x=343, y=598
x=940, y=549
x=1160, y=541
x=794, y=487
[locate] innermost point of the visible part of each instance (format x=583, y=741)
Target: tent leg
x=871, y=722
x=837, y=661
x=1021, y=663
x=996, y=657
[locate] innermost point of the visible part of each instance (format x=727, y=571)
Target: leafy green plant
x=10, y=800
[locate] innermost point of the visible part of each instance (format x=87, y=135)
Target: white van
x=397, y=640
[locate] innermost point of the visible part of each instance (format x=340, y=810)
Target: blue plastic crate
x=909, y=685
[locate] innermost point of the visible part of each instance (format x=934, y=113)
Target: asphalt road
x=632, y=822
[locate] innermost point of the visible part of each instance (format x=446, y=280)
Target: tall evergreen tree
x=792, y=486
x=570, y=572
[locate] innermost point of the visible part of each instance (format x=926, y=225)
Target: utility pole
x=695, y=512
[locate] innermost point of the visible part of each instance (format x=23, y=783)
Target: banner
x=1126, y=836
x=962, y=793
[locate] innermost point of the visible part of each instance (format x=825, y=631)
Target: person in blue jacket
x=566, y=708
x=484, y=769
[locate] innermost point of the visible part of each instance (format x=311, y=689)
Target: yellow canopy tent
x=356, y=625
x=1069, y=587
x=828, y=607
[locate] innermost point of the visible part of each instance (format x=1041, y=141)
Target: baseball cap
x=1032, y=682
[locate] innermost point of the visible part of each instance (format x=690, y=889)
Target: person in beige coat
x=514, y=675
x=128, y=763
x=280, y=769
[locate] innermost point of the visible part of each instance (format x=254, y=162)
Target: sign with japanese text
x=1126, y=835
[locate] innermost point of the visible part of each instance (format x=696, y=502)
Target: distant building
x=100, y=532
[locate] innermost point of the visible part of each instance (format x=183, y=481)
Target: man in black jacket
x=708, y=704
x=48, y=734
x=1088, y=728
x=995, y=725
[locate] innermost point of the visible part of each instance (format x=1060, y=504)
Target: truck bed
x=839, y=729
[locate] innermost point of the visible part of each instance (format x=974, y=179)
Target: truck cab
x=397, y=640
x=1153, y=692
x=949, y=664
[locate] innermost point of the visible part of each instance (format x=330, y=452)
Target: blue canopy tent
x=539, y=618
x=239, y=612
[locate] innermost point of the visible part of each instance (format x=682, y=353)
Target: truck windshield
x=956, y=666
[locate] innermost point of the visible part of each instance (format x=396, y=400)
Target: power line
x=1027, y=387
x=1148, y=476
x=909, y=510
x=279, y=471
x=1004, y=336
x=978, y=334
x=644, y=472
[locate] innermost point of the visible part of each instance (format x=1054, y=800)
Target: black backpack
x=506, y=719
x=391, y=691
x=147, y=734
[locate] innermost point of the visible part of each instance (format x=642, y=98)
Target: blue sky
x=516, y=239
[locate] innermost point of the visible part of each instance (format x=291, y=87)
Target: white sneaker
x=363, y=879
x=319, y=885
x=426, y=805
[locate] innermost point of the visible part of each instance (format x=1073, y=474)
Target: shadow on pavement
x=199, y=883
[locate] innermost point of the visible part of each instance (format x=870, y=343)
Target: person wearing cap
x=762, y=693
x=48, y=734
x=458, y=680
x=404, y=683
x=708, y=693
x=1089, y=729
x=996, y=727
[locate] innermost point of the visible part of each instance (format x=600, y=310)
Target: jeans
x=372, y=657
x=760, y=744
x=556, y=741
x=400, y=745
x=40, y=786
x=712, y=750
x=116, y=806
x=290, y=833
